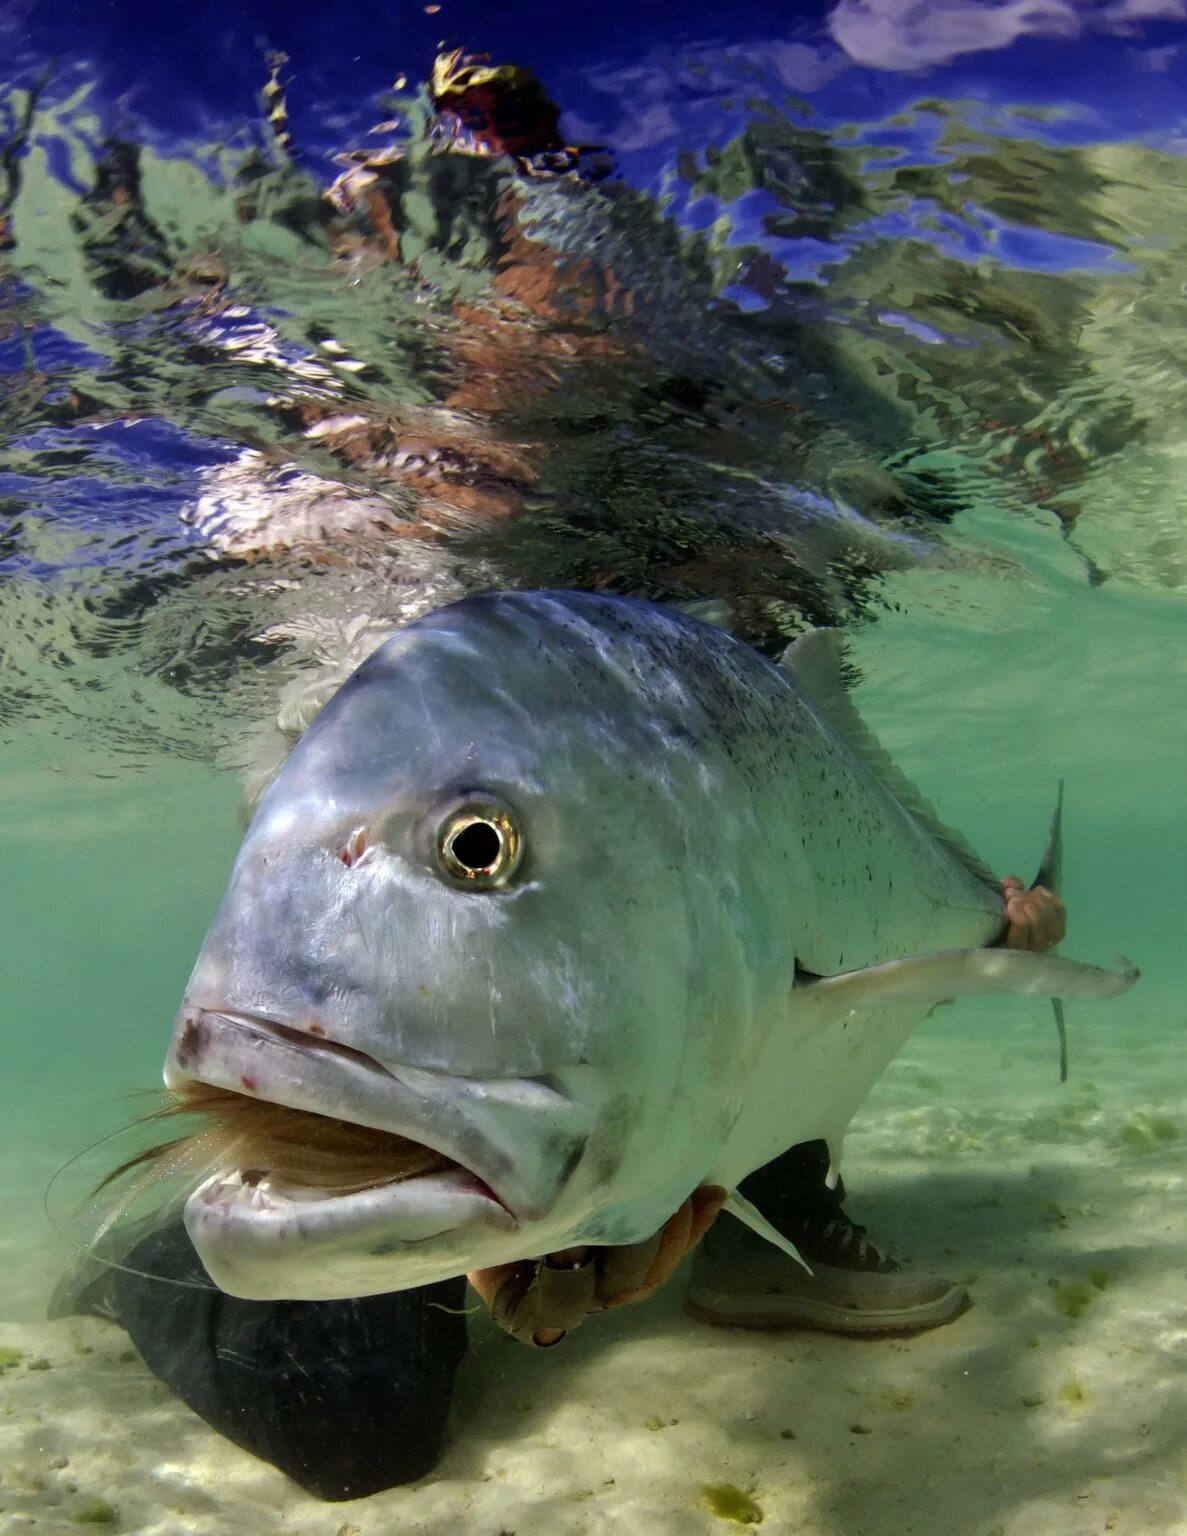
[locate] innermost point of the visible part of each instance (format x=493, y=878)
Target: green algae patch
x=1147, y=1132
x=1073, y=1297
x=94, y=1511
x=1099, y=1278
x=730, y=1503
x=1072, y=1393
x=9, y=1357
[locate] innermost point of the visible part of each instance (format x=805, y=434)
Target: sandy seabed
x=1057, y=1405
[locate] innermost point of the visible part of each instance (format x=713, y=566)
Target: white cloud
x=800, y=67
x=652, y=123
x=913, y=34
x=658, y=96
x=1129, y=12
x=1153, y=61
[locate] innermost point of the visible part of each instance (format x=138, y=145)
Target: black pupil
x=477, y=846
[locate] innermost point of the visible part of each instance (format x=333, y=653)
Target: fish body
x=621, y=1002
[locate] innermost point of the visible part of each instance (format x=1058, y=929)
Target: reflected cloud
x=912, y=35
x=665, y=97
x=799, y=66
x=1128, y=13
x=654, y=123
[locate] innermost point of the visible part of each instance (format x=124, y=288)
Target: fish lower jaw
x=253, y=1190
x=265, y=1238
x=247, y=1188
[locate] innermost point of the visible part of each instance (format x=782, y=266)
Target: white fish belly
x=816, y=1070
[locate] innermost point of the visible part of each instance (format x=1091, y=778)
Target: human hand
x=1037, y=918
x=538, y=1301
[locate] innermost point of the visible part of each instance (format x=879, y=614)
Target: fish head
x=486, y=906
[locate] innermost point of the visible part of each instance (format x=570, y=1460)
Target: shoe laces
x=849, y=1243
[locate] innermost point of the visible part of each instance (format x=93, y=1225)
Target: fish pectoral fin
x=952, y=973
x=738, y=1205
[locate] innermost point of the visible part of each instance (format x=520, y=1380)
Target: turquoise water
x=937, y=397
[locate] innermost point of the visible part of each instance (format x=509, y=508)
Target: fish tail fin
x=1050, y=874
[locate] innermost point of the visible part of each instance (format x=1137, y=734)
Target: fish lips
x=517, y=1141
x=266, y=1241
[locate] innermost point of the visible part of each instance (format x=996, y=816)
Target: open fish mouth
x=464, y=1152
x=263, y=1235
x=268, y=1153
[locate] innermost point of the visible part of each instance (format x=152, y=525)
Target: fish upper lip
x=303, y=1038
x=327, y=1047
x=470, y=1131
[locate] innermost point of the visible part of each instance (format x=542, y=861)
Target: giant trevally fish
x=594, y=902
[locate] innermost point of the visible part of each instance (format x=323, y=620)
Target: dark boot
x=853, y=1286
x=346, y=1397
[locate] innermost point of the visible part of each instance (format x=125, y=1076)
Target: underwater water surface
x=870, y=316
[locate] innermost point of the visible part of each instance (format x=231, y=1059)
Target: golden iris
x=480, y=844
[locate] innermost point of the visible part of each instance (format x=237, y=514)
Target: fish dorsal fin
x=816, y=661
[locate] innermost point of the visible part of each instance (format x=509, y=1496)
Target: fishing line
x=88, y=1249
x=1061, y=1031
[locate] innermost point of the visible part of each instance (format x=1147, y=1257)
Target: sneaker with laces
x=740, y=1280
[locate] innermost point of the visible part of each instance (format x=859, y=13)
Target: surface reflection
x=251, y=405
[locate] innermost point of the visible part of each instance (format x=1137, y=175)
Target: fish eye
x=479, y=844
